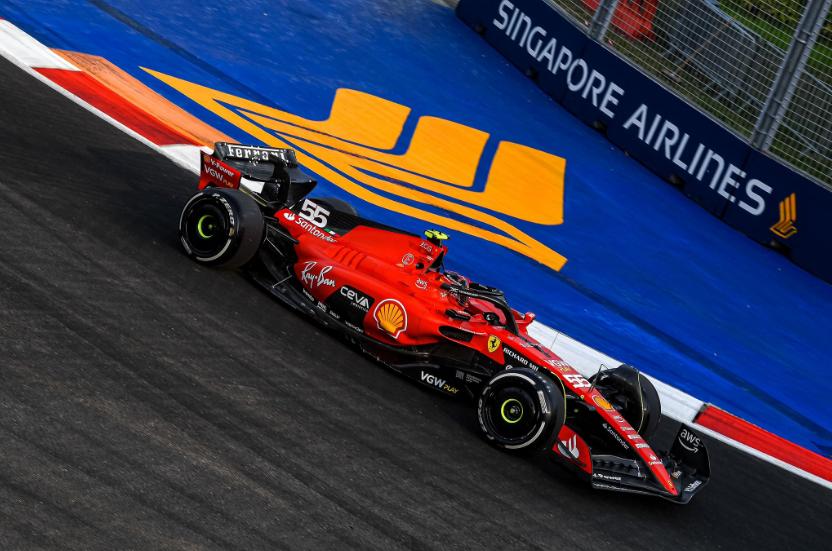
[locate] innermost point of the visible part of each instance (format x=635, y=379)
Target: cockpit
x=479, y=303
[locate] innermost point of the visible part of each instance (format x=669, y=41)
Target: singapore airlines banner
x=747, y=189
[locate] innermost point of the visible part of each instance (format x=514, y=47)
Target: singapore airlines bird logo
x=788, y=216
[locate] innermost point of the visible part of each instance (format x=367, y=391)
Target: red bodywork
x=409, y=306
x=214, y=172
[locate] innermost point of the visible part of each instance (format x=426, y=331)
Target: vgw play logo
x=436, y=174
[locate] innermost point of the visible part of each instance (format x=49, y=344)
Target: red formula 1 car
x=388, y=292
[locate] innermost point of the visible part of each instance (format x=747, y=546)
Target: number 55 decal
x=577, y=380
x=314, y=213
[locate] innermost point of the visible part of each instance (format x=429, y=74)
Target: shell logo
x=391, y=317
x=601, y=402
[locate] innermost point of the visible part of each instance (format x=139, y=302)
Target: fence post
x=794, y=63
x=601, y=20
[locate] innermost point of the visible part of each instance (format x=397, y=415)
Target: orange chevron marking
x=352, y=149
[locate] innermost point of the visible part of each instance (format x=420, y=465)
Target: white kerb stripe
x=764, y=456
x=186, y=156
x=16, y=44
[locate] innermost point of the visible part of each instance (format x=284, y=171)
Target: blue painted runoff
x=652, y=279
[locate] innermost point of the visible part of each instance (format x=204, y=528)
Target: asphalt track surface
x=146, y=402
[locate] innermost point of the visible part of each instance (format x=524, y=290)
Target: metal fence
x=761, y=67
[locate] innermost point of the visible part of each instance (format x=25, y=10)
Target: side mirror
x=525, y=320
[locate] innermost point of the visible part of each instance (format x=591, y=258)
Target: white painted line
x=22, y=48
x=186, y=156
x=94, y=110
x=177, y=154
x=676, y=404
x=765, y=457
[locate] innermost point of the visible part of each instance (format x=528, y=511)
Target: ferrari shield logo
x=493, y=343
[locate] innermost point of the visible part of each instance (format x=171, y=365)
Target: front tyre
x=521, y=410
x=221, y=227
x=633, y=396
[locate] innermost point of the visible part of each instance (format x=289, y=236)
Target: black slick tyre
x=221, y=227
x=633, y=396
x=521, y=411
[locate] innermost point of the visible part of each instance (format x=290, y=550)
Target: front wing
x=687, y=462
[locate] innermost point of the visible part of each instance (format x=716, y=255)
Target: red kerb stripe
x=104, y=99
x=764, y=441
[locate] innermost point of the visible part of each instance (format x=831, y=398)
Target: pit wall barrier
x=750, y=191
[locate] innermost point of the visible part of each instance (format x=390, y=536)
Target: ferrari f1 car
x=388, y=292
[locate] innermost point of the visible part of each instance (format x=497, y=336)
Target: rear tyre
x=633, y=396
x=520, y=410
x=221, y=227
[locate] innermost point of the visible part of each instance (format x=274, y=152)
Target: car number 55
x=314, y=213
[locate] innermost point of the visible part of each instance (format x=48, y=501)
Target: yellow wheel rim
x=511, y=411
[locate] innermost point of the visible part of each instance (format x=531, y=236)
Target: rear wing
x=285, y=157
x=270, y=172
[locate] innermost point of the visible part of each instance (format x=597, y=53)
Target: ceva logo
x=354, y=149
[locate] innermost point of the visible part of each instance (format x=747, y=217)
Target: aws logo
x=433, y=180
